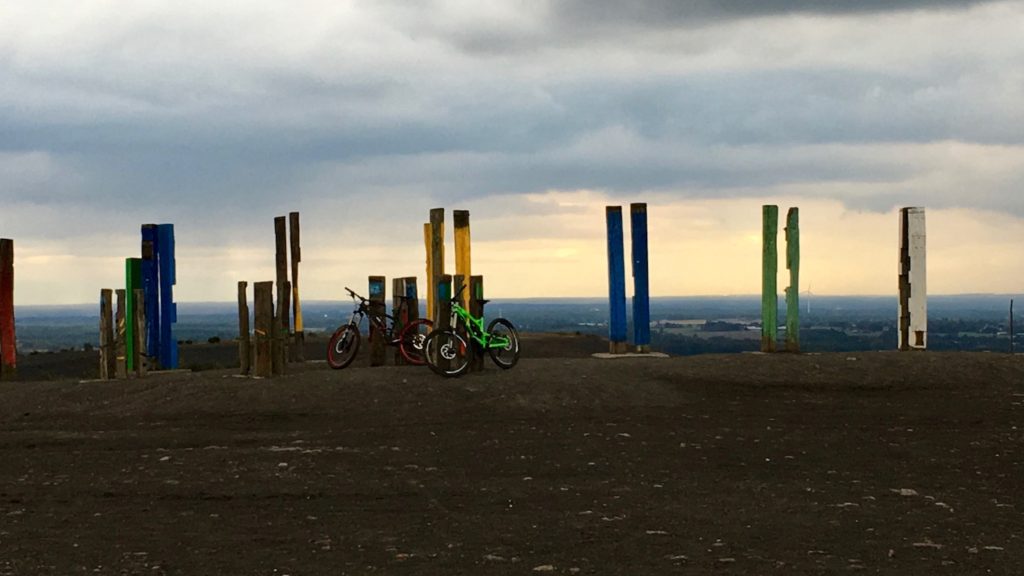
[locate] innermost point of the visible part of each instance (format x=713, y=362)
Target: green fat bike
x=448, y=350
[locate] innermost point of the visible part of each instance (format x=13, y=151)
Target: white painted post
x=913, y=315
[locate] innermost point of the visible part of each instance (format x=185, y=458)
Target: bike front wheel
x=343, y=346
x=504, y=343
x=446, y=352
x=412, y=339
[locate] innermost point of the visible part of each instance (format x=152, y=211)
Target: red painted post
x=8, y=338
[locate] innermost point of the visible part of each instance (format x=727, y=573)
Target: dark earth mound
x=744, y=464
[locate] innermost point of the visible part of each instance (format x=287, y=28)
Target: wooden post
x=378, y=341
x=108, y=360
x=913, y=318
x=401, y=315
x=120, y=346
x=139, y=335
x=476, y=308
x=244, y=342
x=297, y=351
x=151, y=288
x=168, y=309
x=283, y=296
x=263, y=364
x=793, y=291
x=769, y=274
x=8, y=336
x=436, y=255
x=279, y=333
x=641, y=278
x=616, y=281
x=463, y=253
x=1011, y=326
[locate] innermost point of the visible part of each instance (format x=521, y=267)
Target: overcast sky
x=218, y=115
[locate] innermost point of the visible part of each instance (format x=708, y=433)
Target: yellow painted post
x=462, y=252
x=430, y=271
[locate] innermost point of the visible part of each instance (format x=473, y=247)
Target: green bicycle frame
x=475, y=329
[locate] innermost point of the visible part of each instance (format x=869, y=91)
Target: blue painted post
x=168, y=309
x=641, y=278
x=616, y=281
x=151, y=292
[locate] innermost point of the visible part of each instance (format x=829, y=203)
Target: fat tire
x=339, y=359
x=458, y=363
x=505, y=358
x=411, y=341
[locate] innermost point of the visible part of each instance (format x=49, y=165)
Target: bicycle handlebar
x=354, y=295
x=455, y=297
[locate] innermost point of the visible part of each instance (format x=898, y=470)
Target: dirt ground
x=881, y=463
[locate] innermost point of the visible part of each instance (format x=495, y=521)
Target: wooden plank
x=263, y=297
x=297, y=353
x=616, y=281
x=463, y=252
x=108, y=361
x=769, y=278
x=378, y=340
x=793, y=291
x=641, y=278
x=476, y=308
x=8, y=336
x=244, y=341
x=139, y=334
x=120, y=346
x=436, y=252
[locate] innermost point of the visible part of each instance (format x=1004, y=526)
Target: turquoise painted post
x=641, y=278
x=793, y=291
x=769, y=272
x=616, y=281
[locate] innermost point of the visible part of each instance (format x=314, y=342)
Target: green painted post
x=769, y=273
x=793, y=292
x=133, y=281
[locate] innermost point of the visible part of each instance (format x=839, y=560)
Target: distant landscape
x=679, y=325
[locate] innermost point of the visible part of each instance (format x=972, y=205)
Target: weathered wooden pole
x=443, y=307
x=120, y=344
x=8, y=336
x=279, y=333
x=151, y=290
x=378, y=340
x=168, y=309
x=404, y=290
x=437, y=256
x=769, y=278
x=641, y=278
x=460, y=219
x=244, y=342
x=297, y=348
x=616, y=281
x=1011, y=326
x=263, y=302
x=476, y=308
x=139, y=336
x=913, y=315
x=283, y=297
x=793, y=291
x=108, y=360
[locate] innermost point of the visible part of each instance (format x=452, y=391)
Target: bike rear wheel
x=506, y=353
x=412, y=339
x=343, y=346
x=447, y=353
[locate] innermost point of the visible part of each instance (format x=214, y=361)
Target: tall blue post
x=168, y=309
x=616, y=281
x=151, y=291
x=641, y=278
